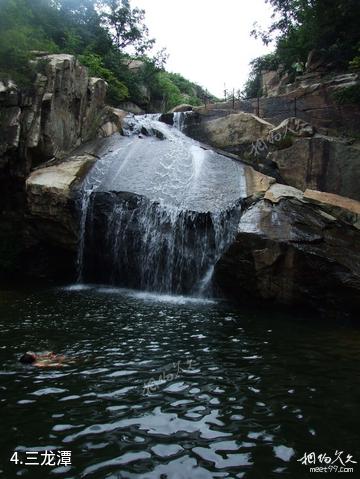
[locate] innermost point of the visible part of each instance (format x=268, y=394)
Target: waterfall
x=158, y=210
x=91, y=183
x=179, y=119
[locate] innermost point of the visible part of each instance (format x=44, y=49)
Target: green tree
x=126, y=26
x=19, y=34
x=299, y=26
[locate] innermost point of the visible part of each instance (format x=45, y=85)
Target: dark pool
x=165, y=387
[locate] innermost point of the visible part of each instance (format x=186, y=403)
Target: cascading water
x=158, y=210
x=179, y=119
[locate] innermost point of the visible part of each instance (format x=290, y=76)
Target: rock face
x=294, y=126
x=51, y=231
x=291, y=252
x=112, y=121
x=270, y=81
x=321, y=163
x=70, y=102
x=277, y=192
x=63, y=109
x=257, y=184
x=313, y=99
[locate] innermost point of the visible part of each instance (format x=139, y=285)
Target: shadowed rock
x=289, y=252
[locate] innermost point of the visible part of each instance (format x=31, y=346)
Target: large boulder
x=51, y=232
x=112, y=121
x=236, y=131
x=131, y=108
x=181, y=108
x=293, y=126
x=291, y=252
x=51, y=209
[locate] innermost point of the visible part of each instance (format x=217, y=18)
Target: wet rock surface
x=137, y=243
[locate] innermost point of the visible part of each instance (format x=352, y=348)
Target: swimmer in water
x=44, y=360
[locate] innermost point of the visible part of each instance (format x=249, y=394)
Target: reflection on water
x=173, y=387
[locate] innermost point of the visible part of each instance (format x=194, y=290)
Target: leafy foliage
x=17, y=33
x=325, y=25
x=173, y=89
x=300, y=26
x=170, y=92
x=126, y=26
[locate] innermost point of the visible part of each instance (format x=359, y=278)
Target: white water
x=141, y=295
x=180, y=119
x=163, y=213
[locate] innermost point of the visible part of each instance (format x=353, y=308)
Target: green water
x=165, y=387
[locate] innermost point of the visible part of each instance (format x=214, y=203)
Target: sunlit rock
x=50, y=203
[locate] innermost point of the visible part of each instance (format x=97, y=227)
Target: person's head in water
x=28, y=358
